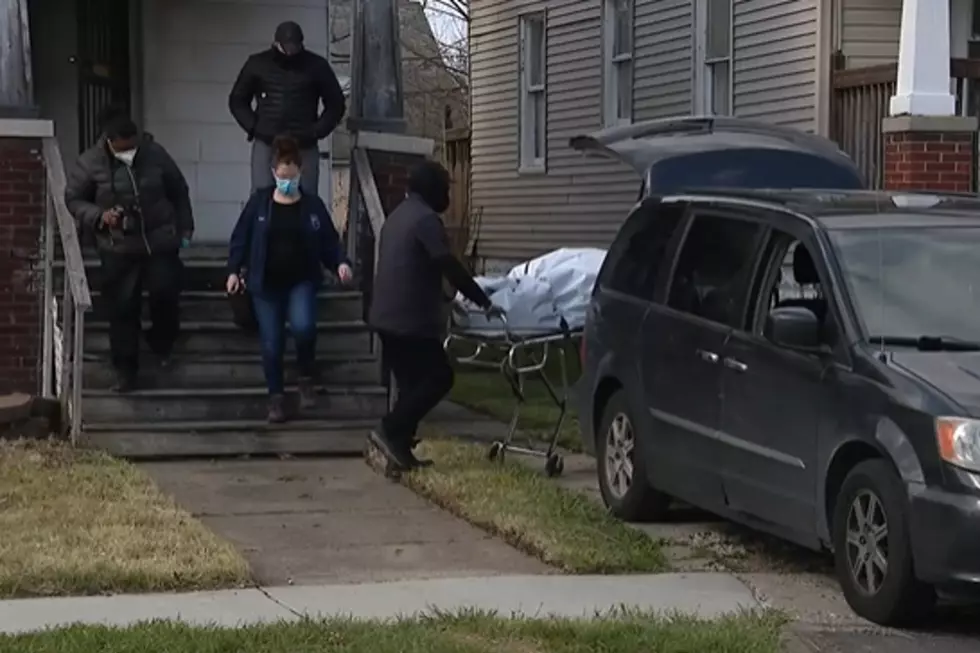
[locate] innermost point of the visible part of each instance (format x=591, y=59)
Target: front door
x=774, y=398
x=684, y=342
x=103, y=63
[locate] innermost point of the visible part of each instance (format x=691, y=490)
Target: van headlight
x=959, y=441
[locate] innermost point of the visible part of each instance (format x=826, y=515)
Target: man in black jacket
x=287, y=84
x=129, y=193
x=407, y=308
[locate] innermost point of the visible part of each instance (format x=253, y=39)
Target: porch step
x=199, y=274
x=191, y=439
x=226, y=404
x=231, y=371
x=223, y=337
x=213, y=305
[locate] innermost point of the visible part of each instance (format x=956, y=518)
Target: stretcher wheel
x=554, y=465
x=496, y=449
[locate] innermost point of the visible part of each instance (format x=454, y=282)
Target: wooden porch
x=859, y=103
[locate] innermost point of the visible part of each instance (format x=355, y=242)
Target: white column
x=923, y=61
x=16, y=80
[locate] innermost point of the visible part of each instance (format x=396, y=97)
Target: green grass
x=81, y=522
x=563, y=528
x=488, y=393
x=468, y=632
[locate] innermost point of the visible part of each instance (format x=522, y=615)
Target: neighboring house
x=546, y=70
x=174, y=61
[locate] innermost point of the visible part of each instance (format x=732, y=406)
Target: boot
x=307, y=393
x=400, y=456
x=125, y=382
x=277, y=411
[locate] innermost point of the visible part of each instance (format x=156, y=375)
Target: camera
x=130, y=217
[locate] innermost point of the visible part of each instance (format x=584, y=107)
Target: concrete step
x=139, y=440
x=213, y=306
x=351, y=337
x=226, y=404
x=232, y=371
x=199, y=274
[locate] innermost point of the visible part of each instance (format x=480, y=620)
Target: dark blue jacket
x=249, y=240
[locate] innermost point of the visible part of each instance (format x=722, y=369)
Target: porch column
x=23, y=202
x=922, y=87
x=16, y=79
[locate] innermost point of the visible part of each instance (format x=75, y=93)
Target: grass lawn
x=464, y=633
x=563, y=528
x=81, y=522
x=488, y=393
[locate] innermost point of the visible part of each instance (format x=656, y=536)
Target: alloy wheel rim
x=620, y=444
x=867, y=542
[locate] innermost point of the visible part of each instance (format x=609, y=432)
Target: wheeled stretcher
x=520, y=355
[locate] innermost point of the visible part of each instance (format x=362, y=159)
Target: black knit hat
x=289, y=36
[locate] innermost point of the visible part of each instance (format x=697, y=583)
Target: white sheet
x=536, y=295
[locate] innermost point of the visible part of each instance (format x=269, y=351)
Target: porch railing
x=64, y=321
x=860, y=102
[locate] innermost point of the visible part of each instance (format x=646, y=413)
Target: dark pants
x=125, y=277
x=423, y=377
x=273, y=308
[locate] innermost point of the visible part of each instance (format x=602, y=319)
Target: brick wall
x=391, y=175
x=22, y=189
x=930, y=161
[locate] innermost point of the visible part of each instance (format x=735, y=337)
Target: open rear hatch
x=675, y=154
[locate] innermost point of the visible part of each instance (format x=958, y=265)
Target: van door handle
x=708, y=356
x=736, y=365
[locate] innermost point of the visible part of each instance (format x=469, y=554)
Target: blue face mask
x=287, y=186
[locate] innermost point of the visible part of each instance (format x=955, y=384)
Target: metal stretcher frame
x=523, y=355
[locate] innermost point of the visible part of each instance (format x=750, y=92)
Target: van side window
x=715, y=268
x=635, y=258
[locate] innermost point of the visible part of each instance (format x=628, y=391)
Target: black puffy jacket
x=154, y=189
x=287, y=92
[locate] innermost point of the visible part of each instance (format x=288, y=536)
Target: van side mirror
x=793, y=327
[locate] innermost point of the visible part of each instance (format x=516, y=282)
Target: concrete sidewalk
x=704, y=595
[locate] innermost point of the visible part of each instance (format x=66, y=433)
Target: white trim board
x=26, y=128
x=398, y=143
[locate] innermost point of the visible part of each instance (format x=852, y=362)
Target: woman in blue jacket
x=280, y=244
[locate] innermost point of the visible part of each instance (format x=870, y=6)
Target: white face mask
x=126, y=156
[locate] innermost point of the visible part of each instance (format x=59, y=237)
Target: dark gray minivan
x=802, y=361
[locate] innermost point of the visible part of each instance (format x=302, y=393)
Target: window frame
x=613, y=62
x=705, y=66
x=528, y=122
x=740, y=214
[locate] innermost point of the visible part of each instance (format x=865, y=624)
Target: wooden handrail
x=74, y=263
x=887, y=73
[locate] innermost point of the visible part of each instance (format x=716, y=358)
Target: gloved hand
x=494, y=312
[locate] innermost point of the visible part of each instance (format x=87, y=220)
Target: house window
x=617, y=25
x=717, y=57
x=532, y=127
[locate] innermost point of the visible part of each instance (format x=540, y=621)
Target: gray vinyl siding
x=663, y=54
x=868, y=31
x=775, y=61
x=579, y=201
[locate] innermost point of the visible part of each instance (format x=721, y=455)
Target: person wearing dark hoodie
x=287, y=84
x=406, y=311
x=130, y=194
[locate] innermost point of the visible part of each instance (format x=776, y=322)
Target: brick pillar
x=391, y=175
x=22, y=214
x=930, y=153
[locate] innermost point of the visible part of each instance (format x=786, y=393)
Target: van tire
x=900, y=599
x=640, y=502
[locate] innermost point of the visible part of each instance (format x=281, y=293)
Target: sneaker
x=392, y=452
x=125, y=382
x=277, y=412
x=307, y=393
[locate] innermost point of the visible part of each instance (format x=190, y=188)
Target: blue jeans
x=273, y=308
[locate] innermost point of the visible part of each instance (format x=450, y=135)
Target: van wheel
x=622, y=470
x=872, y=550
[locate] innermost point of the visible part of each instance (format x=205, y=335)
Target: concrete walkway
x=704, y=595
x=326, y=521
